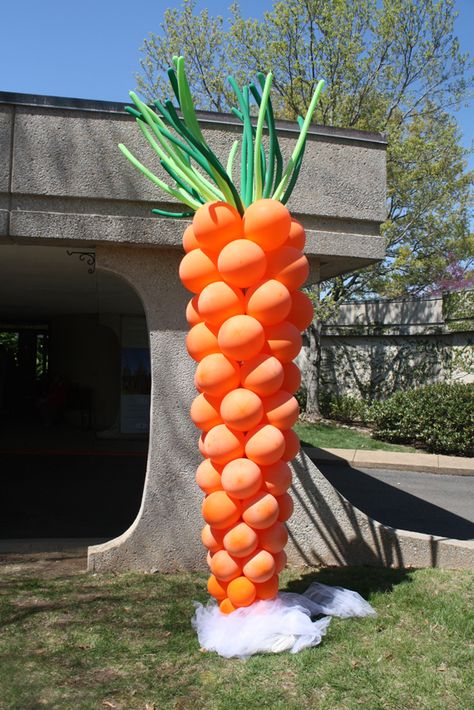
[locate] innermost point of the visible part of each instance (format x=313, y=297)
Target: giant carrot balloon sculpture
x=244, y=262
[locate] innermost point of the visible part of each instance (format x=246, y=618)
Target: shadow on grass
x=365, y=580
x=31, y=607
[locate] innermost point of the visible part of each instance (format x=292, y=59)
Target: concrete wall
x=64, y=179
x=371, y=349
x=166, y=532
x=405, y=315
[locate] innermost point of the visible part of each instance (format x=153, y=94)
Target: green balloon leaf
x=198, y=175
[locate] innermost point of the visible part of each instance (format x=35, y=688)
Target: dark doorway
x=24, y=358
x=73, y=420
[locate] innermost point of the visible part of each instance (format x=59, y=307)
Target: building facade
x=84, y=264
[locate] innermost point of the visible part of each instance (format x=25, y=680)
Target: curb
x=397, y=460
x=57, y=544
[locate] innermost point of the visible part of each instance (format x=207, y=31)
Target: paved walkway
x=395, y=460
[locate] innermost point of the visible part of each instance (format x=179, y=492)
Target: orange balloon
x=273, y=539
x=241, y=540
x=216, y=375
x=192, y=313
x=208, y=476
x=269, y=302
x=216, y=589
x=219, y=301
x=241, y=478
x=241, y=337
x=201, y=341
x=261, y=511
x=189, y=239
x=267, y=223
x=292, y=377
x=225, y=567
x=288, y=265
x=268, y=589
x=292, y=445
x=285, y=507
x=197, y=270
x=209, y=558
x=280, y=561
x=281, y=409
x=283, y=340
x=264, y=445
x=241, y=409
x=262, y=374
x=301, y=311
x=224, y=445
x=260, y=567
x=226, y=606
x=205, y=412
x=242, y=263
x=276, y=478
x=215, y=224
x=220, y=511
x=241, y=592
x=212, y=539
x=202, y=444
x=297, y=236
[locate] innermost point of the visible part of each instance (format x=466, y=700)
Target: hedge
x=344, y=408
x=439, y=418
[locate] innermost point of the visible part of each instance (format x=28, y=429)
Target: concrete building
x=90, y=297
x=374, y=348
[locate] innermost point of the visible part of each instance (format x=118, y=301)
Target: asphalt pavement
x=430, y=503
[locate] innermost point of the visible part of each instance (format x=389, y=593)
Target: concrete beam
x=6, y=133
x=6, y=139
x=335, y=252
x=69, y=183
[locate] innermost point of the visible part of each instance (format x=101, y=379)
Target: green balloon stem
x=178, y=215
x=182, y=149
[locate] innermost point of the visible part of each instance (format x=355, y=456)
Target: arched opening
x=74, y=396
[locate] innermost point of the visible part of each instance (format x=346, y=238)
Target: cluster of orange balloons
x=246, y=319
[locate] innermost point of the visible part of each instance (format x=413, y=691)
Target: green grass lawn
x=88, y=642
x=329, y=436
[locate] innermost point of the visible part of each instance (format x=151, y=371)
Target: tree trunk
x=313, y=369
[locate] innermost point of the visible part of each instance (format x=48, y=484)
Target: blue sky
x=90, y=49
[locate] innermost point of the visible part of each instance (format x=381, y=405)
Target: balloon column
x=245, y=320
x=244, y=263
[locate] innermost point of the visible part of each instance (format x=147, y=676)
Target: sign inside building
x=136, y=377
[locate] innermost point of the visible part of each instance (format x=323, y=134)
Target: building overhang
x=64, y=181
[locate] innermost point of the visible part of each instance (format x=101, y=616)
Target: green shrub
x=341, y=408
x=301, y=396
x=437, y=417
x=345, y=408
x=348, y=409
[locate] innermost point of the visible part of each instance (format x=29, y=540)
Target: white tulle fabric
x=282, y=624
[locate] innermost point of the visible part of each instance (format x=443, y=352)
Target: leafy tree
x=199, y=38
x=458, y=278
x=393, y=66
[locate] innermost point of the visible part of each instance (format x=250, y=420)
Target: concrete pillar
x=166, y=532
x=325, y=527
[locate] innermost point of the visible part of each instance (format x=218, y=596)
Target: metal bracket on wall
x=87, y=256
